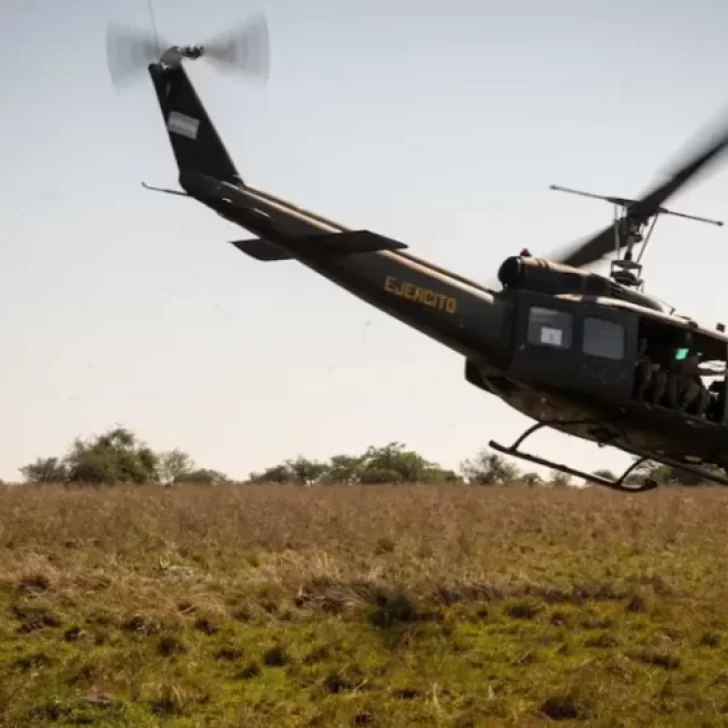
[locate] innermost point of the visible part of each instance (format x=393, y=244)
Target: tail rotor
x=244, y=51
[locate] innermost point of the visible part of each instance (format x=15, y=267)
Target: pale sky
x=440, y=124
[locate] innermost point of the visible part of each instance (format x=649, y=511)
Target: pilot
x=686, y=385
x=526, y=253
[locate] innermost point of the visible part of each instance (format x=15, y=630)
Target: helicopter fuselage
x=576, y=391
x=557, y=344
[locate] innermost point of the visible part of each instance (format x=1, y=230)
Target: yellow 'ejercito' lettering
x=427, y=297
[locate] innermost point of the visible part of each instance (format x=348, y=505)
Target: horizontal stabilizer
x=356, y=241
x=261, y=250
x=346, y=243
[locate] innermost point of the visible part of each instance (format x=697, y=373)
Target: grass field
x=363, y=606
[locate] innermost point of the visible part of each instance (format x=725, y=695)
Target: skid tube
x=700, y=472
x=618, y=484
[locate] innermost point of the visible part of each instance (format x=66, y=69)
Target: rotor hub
x=173, y=56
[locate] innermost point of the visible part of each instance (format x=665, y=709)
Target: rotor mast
x=628, y=232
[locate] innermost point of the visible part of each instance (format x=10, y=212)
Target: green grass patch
x=349, y=606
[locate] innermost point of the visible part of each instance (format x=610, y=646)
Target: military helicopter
x=562, y=345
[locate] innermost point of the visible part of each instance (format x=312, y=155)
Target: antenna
x=154, y=27
x=628, y=232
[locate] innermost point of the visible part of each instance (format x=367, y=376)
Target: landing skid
x=618, y=484
x=700, y=472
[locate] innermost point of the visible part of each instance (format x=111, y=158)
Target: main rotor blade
x=646, y=207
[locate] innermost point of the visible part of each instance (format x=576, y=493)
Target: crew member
x=649, y=373
x=686, y=386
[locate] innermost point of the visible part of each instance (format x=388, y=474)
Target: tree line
x=119, y=456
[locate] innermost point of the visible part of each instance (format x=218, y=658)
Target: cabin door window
x=603, y=338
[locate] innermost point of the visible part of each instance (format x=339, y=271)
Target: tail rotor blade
x=244, y=50
x=128, y=53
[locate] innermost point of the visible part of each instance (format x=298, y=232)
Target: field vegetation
x=439, y=604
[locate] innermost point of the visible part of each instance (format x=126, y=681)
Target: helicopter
x=560, y=344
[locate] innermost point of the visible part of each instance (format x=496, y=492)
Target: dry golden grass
x=383, y=606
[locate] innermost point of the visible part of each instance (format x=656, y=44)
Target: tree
x=531, y=479
x=604, y=473
x=305, y=471
x=300, y=471
x=440, y=475
x=667, y=475
x=343, y=469
x=488, y=468
x=45, y=470
x=117, y=456
x=114, y=457
x=661, y=474
x=174, y=465
x=393, y=463
x=559, y=479
x=203, y=476
x=279, y=474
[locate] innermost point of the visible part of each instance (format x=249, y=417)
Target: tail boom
x=460, y=314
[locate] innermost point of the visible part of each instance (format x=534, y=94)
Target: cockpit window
x=549, y=327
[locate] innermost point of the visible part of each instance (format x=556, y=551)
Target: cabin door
x=607, y=350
